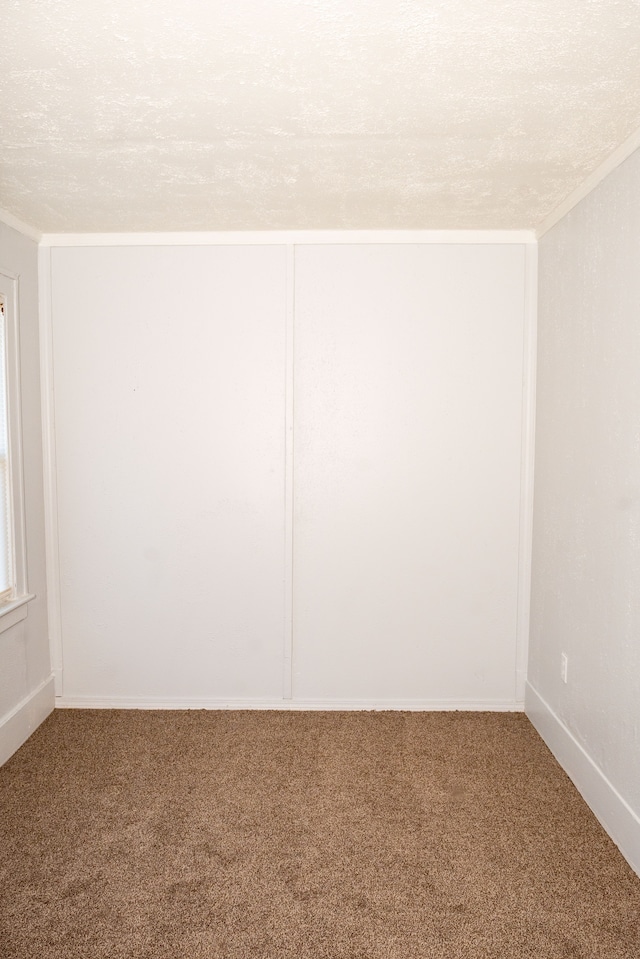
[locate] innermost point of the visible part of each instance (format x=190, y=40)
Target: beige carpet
x=287, y=835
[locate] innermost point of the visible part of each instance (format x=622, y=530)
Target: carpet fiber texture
x=292, y=835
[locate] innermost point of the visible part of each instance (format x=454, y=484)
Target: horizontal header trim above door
x=288, y=237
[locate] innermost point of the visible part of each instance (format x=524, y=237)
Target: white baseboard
x=412, y=705
x=24, y=719
x=613, y=812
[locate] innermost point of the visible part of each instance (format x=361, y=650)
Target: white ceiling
x=144, y=115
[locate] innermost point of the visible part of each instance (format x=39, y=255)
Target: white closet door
x=408, y=393
x=169, y=379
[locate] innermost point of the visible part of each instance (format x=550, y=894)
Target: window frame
x=13, y=608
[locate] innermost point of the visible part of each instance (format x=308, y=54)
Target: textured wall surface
x=586, y=558
x=307, y=114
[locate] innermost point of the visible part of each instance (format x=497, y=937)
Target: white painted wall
x=170, y=412
x=586, y=556
x=169, y=382
x=408, y=406
x=26, y=688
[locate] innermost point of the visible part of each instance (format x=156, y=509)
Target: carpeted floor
x=289, y=835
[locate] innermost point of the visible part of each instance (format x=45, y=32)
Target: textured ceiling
x=139, y=115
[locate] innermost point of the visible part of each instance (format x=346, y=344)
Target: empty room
x=320, y=479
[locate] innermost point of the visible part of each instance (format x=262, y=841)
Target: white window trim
x=14, y=611
x=14, y=608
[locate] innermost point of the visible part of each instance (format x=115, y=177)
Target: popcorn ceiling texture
x=309, y=114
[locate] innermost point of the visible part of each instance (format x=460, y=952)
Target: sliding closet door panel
x=169, y=382
x=408, y=393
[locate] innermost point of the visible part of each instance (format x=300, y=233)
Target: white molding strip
x=287, y=652
x=47, y=397
x=619, y=155
x=329, y=705
x=12, y=221
x=12, y=359
x=613, y=812
x=288, y=237
x=527, y=466
x=24, y=719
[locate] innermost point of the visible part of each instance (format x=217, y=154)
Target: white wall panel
x=169, y=381
x=408, y=406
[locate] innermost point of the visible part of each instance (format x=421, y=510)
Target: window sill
x=14, y=611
